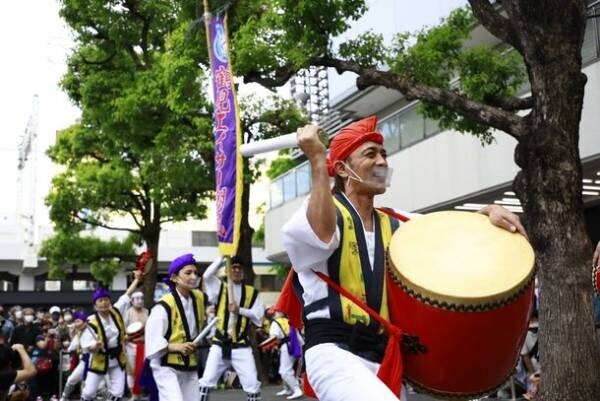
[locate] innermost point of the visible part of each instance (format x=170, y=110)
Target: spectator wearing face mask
x=27, y=332
x=16, y=315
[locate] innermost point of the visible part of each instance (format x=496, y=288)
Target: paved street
x=268, y=394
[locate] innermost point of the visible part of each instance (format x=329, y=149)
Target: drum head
x=459, y=258
x=134, y=327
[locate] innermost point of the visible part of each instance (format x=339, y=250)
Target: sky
x=34, y=44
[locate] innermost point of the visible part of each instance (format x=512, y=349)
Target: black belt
x=113, y=353
x=358, y=338
x=227, y=345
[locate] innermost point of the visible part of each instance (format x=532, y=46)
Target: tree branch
x=98, y=224
x=484, y=114
x=512, y=103
x=279, y=77
x=498, y=25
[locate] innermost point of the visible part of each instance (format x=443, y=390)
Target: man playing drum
x=135, y=320
x=343, y=236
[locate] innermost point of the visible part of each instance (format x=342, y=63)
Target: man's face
x=362, y=170
x=237, y=273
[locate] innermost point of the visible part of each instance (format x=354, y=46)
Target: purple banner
x=228, y=161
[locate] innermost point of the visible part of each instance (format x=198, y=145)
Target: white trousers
x=286, y=368
x=116, y=383
x=242, y=361
x=339, y=375
x=175, y=385
x=76, y=375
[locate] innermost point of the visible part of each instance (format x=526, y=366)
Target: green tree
x=545, y=37
x=142, y=151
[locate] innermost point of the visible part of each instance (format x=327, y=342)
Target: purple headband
x=100, y=293
x=176, y=265
x=80, y=315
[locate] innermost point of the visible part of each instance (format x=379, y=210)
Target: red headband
x=350, y=138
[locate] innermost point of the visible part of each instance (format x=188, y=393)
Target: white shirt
x=158, y=323
x=308, y=253
x=213, y=286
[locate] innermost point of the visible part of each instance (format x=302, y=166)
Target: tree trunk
x=152, y=238
x=549, y=187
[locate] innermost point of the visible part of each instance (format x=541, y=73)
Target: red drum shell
x=269, y=344
x=468, y=353
x=596, y=280
x=135, y=331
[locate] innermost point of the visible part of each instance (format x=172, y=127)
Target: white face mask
x=68, y=318
x=28, y=318
x=380, y=176
x=18, y=314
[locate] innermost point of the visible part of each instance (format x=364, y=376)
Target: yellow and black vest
x=248, y=297
x=349, y=266
x=99, y=360
x=178, y=330
x=284, y=325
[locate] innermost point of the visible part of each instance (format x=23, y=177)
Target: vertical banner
x=228, y=138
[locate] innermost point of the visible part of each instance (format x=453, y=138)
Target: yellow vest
x=178, y=329
x=284, y=324
x=350, y=267
x=248, y=296
x=99, y=359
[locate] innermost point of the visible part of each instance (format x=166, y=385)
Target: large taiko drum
x=461, y=290
x=135, y=331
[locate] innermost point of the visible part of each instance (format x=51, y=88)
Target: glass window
x=289, y=186
x=276, y=194
x=83, y=285
x=6, y=286
x=204, y=238
x=431, y=127
x=303, y=179
x=412, y=127
x=589, y=50
x=391, y=134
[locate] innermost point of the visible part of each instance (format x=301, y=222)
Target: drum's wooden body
x=461, y=290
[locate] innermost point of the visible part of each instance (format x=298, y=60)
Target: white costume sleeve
x=88, y=339
x=211, y=281
x=156, y=328
x=275, y=330
x=122, y=304
x=74, y=343
x=255, y=313
x=305, y=250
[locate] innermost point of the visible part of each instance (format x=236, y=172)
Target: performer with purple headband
x=173, y=324
x=104, y=340
x=76, y=376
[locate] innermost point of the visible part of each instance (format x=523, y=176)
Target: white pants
x=175, y=385
x=76, y=375
x=286, y=368
x=116, y=380
x=242, y=362
x=131, y=351
x=339, y=375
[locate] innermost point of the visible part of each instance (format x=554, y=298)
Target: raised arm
x=28, y=371
x=321, y=209
x=211, y=281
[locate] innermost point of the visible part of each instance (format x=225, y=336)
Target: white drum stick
x=268, y=145
x=205, y=331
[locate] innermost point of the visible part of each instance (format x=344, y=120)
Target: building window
x=204, y=238
x=589, y=50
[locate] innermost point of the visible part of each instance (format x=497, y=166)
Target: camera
x=9, y=359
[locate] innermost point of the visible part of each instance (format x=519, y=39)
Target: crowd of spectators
x=32, y=341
